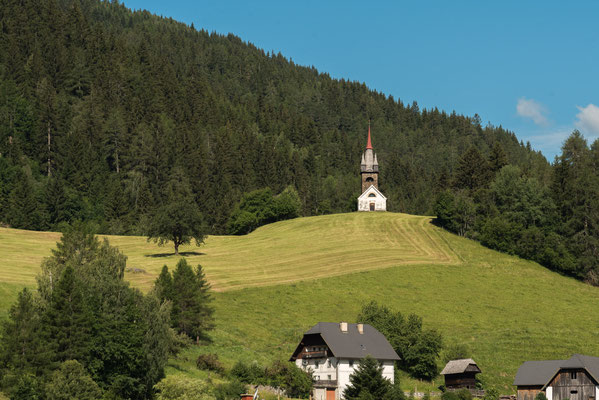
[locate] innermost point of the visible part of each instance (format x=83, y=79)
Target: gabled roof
x=540, y=373
x=351, y=344
x=370, y=190
x=460, y=366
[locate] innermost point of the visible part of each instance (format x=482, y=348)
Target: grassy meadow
x=275, y=283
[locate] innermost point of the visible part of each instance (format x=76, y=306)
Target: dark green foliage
x=541, y=396
x=418, y=348
x=260, y=207
x=86, y=311
x=555, y=223
x=229, y=390
x=367, y=382
x=248, y=373
x=285, y=375
x=462, y=394
x=281, y=374
x=472, y=171
x=209, y=362
x=71, y=381
x=493, y=394
x=189, y=293
x=111, y=103
x=179, y=219
x=449, y=395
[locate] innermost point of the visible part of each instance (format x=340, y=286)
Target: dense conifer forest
x=104, y=110
x=100, y=107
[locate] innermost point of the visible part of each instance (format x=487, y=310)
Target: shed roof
x=540, y=373
x=351, y=344
x=460, y=366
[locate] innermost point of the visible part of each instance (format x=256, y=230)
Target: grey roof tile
x=352, y=344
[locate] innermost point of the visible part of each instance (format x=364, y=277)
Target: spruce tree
x=367, y=381
x=192, y=313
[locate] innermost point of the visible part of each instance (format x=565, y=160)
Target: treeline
x=101, y=108
x=505, y=207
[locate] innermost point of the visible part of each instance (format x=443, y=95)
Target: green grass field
x=278, y=281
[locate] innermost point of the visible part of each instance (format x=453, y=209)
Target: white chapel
x=371, y=198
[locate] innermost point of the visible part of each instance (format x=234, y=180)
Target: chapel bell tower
x=369, y=168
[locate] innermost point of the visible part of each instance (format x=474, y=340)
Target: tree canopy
x=85, y=331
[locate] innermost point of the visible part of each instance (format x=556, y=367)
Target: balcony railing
x=326, y=383
x=315, y=354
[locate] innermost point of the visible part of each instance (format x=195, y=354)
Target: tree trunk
x=49, y=148
x=176, y=248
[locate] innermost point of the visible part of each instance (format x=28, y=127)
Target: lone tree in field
x=179, y=219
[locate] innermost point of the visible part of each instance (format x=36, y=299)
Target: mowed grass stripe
x=287, y=251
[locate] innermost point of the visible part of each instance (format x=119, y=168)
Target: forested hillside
x=101, y=107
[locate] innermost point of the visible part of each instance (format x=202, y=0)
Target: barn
x=576, y=378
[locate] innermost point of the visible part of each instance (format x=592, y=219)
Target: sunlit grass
x=278, y=281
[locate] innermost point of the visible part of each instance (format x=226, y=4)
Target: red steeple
x=369, y=144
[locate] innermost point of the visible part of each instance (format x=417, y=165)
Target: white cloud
x=529, y=108
x=588, y=119
x=549, y=143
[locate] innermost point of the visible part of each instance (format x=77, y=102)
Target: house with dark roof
x=460, y=374
x=576, y=378
x=331, y=351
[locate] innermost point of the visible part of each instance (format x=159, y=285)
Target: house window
x=573, y=391
x=372, y=195
x=329, y=363
x=351, y=363
x=572, y=375
x=329, y=377
x=316, y=364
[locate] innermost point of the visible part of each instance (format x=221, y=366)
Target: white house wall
x=339, y=370
x=549, y=393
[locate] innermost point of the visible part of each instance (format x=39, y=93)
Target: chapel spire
x=369, y=143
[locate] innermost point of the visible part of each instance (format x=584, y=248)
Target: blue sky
x=530, y=66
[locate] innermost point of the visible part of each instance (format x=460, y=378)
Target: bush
x=179, y=388
x=209, y=362
x=245, y=373
x=285, y=375
x=540, y=396
x=449, y=396
x=230, y=390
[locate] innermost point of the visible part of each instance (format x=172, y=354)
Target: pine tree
x=367, y=381
x=472, y=170
x=192, y=313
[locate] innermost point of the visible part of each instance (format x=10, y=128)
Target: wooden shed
x=460, y=374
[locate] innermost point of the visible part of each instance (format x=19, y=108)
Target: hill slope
x=304, y=248
x=506, y=309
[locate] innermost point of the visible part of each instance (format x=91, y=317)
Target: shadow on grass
x=182, y=254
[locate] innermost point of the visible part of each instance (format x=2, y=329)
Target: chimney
x=343, y=326
x=361, y=329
